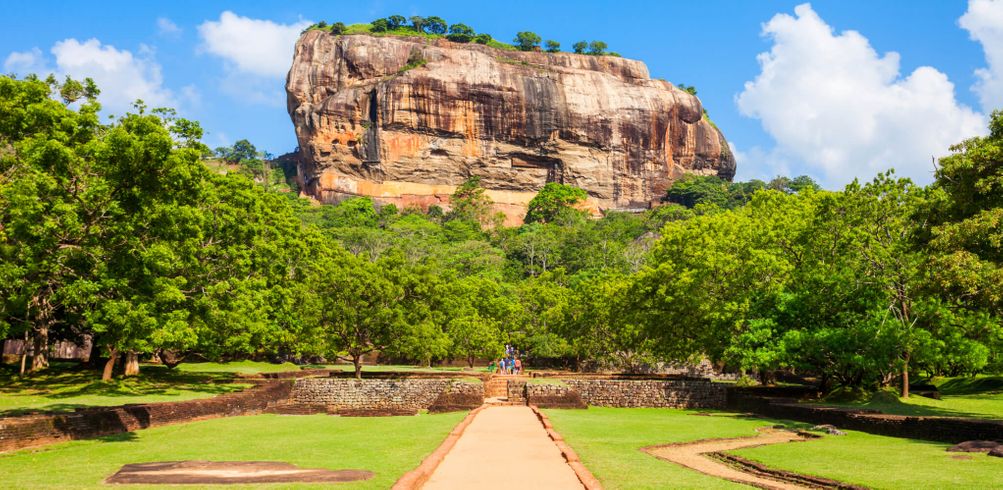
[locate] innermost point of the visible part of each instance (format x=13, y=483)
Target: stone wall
x=36, y=430
x=517, y=390
x=395, y=396
x=553, y=396
x=676, y=393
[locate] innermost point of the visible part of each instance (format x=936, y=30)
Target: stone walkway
x=505, y=447
x=692, y=456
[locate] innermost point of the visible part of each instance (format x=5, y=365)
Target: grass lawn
x=608, y=440
x=239, y=367
x=388, y=446
x=383, y=368
x=882, y=462
x=64, y=387
x=978, y=397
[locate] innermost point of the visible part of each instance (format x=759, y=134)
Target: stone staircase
x=496, y=390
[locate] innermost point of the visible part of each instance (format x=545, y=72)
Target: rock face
x=405, y=120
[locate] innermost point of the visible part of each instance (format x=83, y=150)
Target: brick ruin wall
x=35, y=430
x=389, y=396
x=673, y=393
x=553, y=396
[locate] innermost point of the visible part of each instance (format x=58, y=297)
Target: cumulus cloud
x=984, y=23
x=831, y=101
x=167, y=28
x=254, y=46
x=25, y=62
x=121, y=76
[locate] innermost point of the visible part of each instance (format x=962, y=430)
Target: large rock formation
x=405, y=120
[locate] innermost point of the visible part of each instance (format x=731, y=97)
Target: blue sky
x=792, y=89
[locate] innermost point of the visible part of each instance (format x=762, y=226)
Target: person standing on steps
x=518, y=366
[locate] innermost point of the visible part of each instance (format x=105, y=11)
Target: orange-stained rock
x=367, y=126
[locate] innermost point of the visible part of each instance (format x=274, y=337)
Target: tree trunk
x=40, y=349
x=470, y=362
x=109, y=365
x=24, y=353
x=170, y=358
x=131, y=364
x=905, y=377
x=357, y=361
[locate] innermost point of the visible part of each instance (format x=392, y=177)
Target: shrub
x=483, y=39
x=552, y=46
x=338, y=28
x=580, y=47
x=597, y=48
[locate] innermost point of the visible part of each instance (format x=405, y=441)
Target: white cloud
x=25, y=62
x=167, y=28
x=255, y=46
x=984, y=23
x=831, y=101
x=121, y=76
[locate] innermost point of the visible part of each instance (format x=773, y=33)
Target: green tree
x=597, y=48
x=688, y=89
x=338, y=28
x=354, y=307
x=552, y=200
x=460, y=33
x=418, y=23
x=470, y=202
x=435, y=25
x=580, y=47
x=379, y=25
x=552, y=46
x=527, y=41
x=482, y=38
x=395, y=22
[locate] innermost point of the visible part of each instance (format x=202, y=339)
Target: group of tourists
x=509, y=364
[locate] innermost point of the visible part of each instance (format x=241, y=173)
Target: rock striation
x=406, y=119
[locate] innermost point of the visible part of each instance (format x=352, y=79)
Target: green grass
x=608, y=440
x=974, y=397
x=388, y=446
x=546, y=381
x=63, y=388
x=881, y=462
x=238, y=367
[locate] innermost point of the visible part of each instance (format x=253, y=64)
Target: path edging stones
x=588, y=480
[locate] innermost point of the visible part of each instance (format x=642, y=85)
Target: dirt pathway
x=505, y=447
x=692, y=455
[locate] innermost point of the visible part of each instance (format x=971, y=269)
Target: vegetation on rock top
x=435, y=28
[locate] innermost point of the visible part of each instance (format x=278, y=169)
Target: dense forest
x=135, y=234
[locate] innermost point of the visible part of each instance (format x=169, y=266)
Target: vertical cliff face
x=405, y=120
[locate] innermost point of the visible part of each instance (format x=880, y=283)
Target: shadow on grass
x=63, y=381
x=121, y=437
x=897, y=407
x=971, y=386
